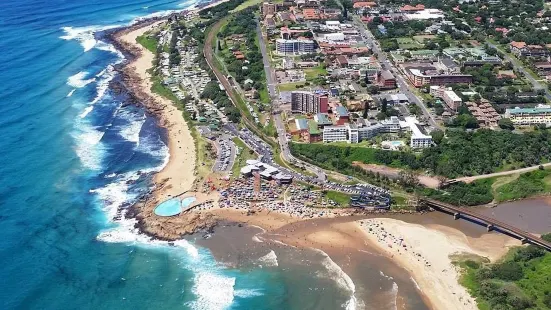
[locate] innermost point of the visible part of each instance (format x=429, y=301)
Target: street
x=403, y=86
x=516, y=64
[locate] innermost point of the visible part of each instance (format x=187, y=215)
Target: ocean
x=73, y=153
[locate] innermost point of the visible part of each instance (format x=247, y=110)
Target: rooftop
x=529, y=110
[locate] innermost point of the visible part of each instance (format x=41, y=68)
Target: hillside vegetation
x=520, y=281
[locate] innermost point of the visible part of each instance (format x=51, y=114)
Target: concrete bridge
x=490, y=223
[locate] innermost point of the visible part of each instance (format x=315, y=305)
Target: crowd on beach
x=392, y=241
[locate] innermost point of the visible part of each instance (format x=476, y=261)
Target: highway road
x=270, y=74
x=516, y=63
x=403, y=85
x=278, y=122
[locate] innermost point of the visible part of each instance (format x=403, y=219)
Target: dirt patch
x=394, y=173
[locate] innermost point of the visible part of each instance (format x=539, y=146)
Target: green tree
x=506, y=123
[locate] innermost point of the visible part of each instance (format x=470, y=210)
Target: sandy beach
x=426, y=252
x=178, y=175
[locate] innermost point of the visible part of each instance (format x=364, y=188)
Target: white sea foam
x=415, y=282
x=86, y=111
x=79, y=80
x=71, y=92
x=269, y=260
x=107, y=75
x=335, y=273
x=213, y=291
x=131, y=132
x=152, y=146
x=385, y=276
x=89, y=148
x=85, y=35
x=256, y=239
x=394, y=296
x=247, y=293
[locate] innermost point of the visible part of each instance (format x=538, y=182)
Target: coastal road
x=278, y=123
x=226, y=153
x=516, y=63
x=270, y=74
x=403, y=85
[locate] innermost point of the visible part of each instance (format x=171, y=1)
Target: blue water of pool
x=169, y=207
x=187, y=201
x=173, y=206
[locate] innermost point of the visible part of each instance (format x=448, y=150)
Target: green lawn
x=408, y=43
x=290, y=86
x=246, y=4
x=149, y=42
x=245, y=153
x=341, y=199
x=313, y=73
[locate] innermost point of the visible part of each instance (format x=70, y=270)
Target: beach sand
x=178, y=175
x=426, y=252
x=427, y=258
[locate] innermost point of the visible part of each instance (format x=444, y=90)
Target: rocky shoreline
x=186, y=223
x=169, y=228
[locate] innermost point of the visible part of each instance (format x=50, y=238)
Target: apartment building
x=308, y=102
x=335, y=134
x=451, y=99
x=294, y=47
x=420, y=75
x=530, y=116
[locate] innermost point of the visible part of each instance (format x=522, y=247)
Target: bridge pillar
x=456, y=215
x=489, y=227
x=524, y=240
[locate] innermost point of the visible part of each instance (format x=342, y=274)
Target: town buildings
x=523, y=49
x=294, y=46
x=308, y=102
x=424, y=74
x=530, y=116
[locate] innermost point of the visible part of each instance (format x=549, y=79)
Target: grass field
x=291, y=86
x=245, y=153
x=341, y=199
x=421, y=38
x=312, y=73
x=147, y=41
x=246, y=4
x=526, y=185
x=408, y=43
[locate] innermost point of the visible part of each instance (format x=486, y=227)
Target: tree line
x=458, y=154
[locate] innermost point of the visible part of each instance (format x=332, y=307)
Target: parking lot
x=225, y=153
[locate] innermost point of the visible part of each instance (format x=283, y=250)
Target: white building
x=335, y=133
x=418, y=138
x=529, y=116
x=451, y=99
x=293, y=47
x=353, y=135
x=365, y=133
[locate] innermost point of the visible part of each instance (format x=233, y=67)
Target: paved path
x=499, y=174
x=516, y=63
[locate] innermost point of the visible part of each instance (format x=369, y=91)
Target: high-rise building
x=308, y=102
x=293, y=47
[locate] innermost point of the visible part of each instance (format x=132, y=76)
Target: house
x=408, y=8
x=523, y=49
x=387, y=80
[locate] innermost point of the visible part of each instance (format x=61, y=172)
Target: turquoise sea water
x=72, y=154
